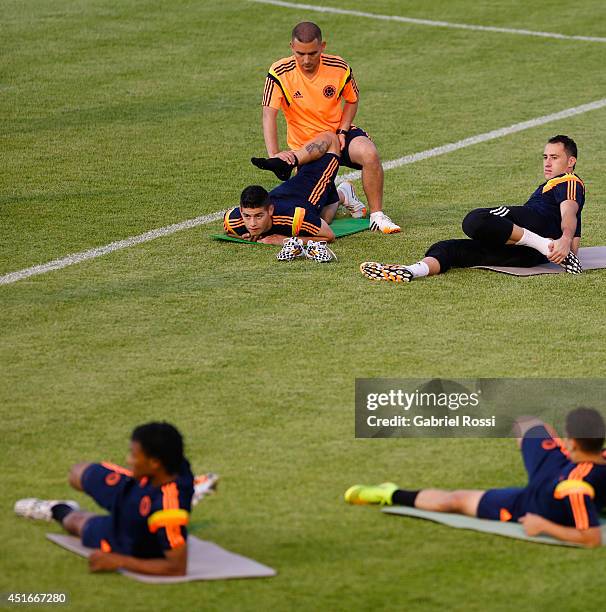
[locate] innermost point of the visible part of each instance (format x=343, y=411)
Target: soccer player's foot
x=204, y=484
x=571, y=264
x=387, y=272
x=355, y=206
x=365, y=495
x=319, y=251
x=293, y=248
x=380, y=222
x=278, y=166
x=40, y=509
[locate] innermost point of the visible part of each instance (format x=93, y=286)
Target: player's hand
x=559, y=249
x=288, y=156
x=272, y=239
x=342, y=141
x=103, y=562
x=248, y=236
x=533, y=524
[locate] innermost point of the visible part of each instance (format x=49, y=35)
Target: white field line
x=428, y=22
x=473, y=140
x=75, y=258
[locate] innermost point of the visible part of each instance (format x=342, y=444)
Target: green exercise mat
x=341, y=227
x=509, y=530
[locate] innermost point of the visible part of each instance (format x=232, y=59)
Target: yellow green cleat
x=364, y=495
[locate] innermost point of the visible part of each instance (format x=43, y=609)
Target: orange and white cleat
x=387, y=272
x=380, y=222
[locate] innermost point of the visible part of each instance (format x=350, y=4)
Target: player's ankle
x=60, y=511
x=402, y=497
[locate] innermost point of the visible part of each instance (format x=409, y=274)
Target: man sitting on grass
x=565, y=492
x=149, y=505
x=546, y=228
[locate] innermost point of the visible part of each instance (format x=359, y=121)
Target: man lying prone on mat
x=565, y=492
x=303, y=205
x=149, y=505
x=546, y=228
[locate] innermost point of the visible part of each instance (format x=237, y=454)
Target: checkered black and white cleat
x=380, y=222
x=571, y=264
x=293, y=248
x=40, y=509
x=319, y=251
x=386, y=272
x=355, y=206
x=204, y=484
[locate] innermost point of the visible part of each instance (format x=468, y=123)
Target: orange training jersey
x=309, y=105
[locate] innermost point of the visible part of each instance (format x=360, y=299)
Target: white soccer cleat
x=40, y=509
x=386, y=272
x=319, y=251
x=204, y=484
x=355, y=206
x=380, y=222
x=293, y=248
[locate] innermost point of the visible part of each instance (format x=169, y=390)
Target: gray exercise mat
x=592, y=258
x=459, y=521
x=205, y=561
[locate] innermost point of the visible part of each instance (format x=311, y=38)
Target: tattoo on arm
x=321, y=147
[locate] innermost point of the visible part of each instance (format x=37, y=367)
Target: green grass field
x=117, y=118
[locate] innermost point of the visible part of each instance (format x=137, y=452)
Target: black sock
x=278, y=166
x=402, y=497
x=60, y=511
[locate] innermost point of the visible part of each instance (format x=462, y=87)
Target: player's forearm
x=569, y=210
x=270, y=130
x=586, y=537
x=157, y=567
x=349, y=112
x=569, y=226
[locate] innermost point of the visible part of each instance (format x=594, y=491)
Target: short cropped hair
x=307, y=32
x=584, y=422
x=570, y=146
x=161, y=441
x=254, y=196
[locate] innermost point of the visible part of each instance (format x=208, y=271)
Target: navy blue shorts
x=311, y=186
x=353, y=132
x=100, y=481
x=98, y=532
x=541, y=463
x=500, y=504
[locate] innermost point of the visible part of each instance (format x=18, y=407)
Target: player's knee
x=365, y=152
x=456, y=501
x=371, y=155
x=441, y=252
x=328, y=140
x=474, y=222
x=75, y=475
x=333, y=139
